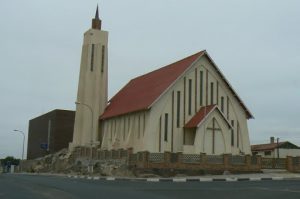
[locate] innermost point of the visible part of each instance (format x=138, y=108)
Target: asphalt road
x=40, y=187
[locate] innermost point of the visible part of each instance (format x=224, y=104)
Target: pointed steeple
x=96, y=22
x=97, y=13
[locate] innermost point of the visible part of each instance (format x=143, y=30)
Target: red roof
x=200, y=116
x=141, y=92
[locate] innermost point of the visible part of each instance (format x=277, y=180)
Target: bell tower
x=92, y=88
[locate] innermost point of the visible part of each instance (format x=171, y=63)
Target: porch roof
x=202, y=114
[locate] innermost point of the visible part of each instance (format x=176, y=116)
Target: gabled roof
x=202, y=114
x=143, y=91
x=272, y=146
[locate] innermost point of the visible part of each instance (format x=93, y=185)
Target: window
x=227, y=108
x=232, y=133
x=102, y=59
x=222, y=104
x=238, y=134
x=267, y=153
x=159, y=136
x=178, y=109
x=166, y=127
x=115, y=128
x=211, y=93
x=201, y=88
x=124, y=128
x=128, y=123
x=190, y=96
x=144, y=124
x=92, y=57
x=139, y=127
x=111, y=129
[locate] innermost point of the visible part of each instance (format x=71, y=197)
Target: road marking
x=152, y=179
x=231, y=179
x=255, y=179
x=206, y=179
x=110, y=178
x=179, y=180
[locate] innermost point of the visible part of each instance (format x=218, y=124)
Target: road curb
x=182, y=180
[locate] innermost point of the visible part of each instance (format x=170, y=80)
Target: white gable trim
x=242, y=104
x=179, y=77
x=220, y=112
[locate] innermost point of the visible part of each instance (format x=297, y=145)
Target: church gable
x=140, y=93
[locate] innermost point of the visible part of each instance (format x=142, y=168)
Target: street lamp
x=91, y=143
x=23, y=141
x=16, y=130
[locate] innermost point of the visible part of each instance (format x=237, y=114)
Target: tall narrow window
x=196, y=91
x=139, y=127
x=111, y=129
x=222, y=104
x=166, y=127
x=190, y=97
x=184, y=99
x=178, y=109
x=159, y=136
x=115, y=128
x=128, y=123
x=102, y=58
x=238, y=135
x=201, y=88
x=124, y=128
x=211, y=93
x=217, y=93
x=92, y=57
x=227, y=108
x=232, y=133
x=144, y=124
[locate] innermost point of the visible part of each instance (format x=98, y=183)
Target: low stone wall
x=293, y=164
x=126, y=163
x=175, y=161
x=202, y=162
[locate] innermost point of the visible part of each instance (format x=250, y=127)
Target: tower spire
x=96, y=22
x=97, y=13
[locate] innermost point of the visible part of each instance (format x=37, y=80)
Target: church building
x=187, y=106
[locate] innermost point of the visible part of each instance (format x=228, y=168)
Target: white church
x=187, y=106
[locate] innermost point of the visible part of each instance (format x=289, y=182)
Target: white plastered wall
x=153, y=139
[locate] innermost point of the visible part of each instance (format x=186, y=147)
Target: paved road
x=40, y=187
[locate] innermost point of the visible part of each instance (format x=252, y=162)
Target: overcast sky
x=255, y=43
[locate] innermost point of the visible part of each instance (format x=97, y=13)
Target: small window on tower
x=102, y=59
x=92, y=57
